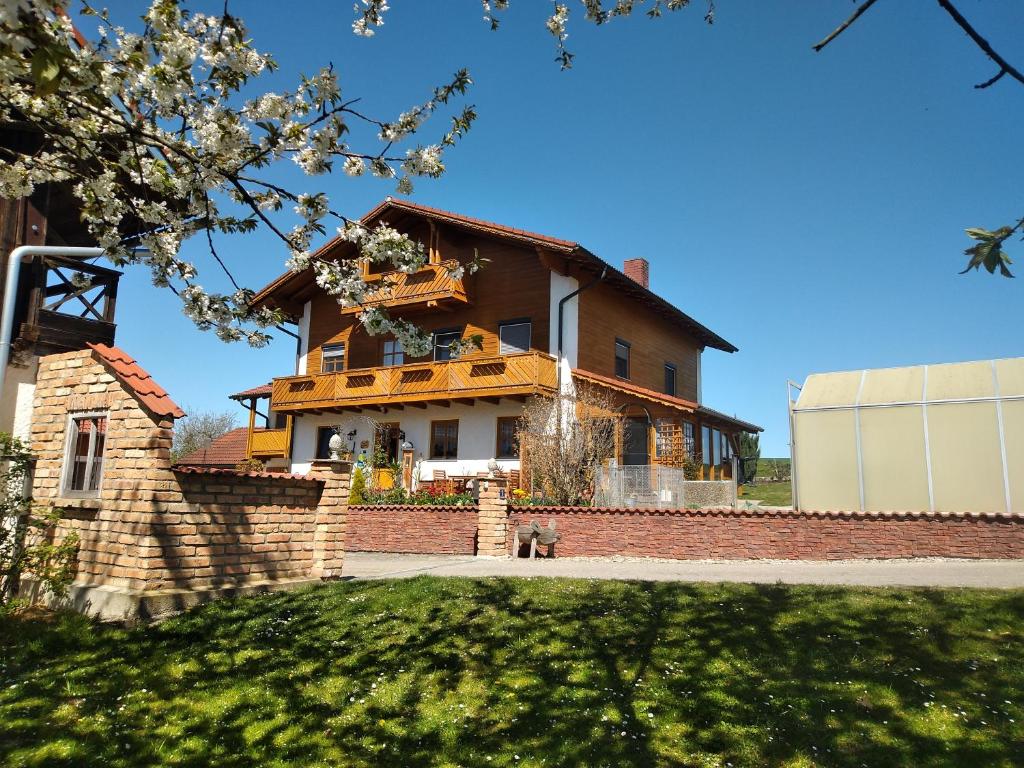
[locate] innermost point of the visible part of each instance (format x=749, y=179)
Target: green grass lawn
x=528, y=672
x=772, y=494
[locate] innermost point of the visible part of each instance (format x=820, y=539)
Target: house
x=550, y=314
x=945, y=438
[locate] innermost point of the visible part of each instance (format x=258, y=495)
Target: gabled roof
x=225, y=451
x=686, y=406
x=131, y=374
x=291, y=282
x=258, y=393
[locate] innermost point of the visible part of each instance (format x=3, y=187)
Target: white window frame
x=333, y=352
x=70, y=439
x=515, y=324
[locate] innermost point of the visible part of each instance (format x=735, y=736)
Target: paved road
x=924, y=572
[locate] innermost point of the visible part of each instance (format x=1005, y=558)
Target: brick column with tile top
x=492, y=517
x=329, y=539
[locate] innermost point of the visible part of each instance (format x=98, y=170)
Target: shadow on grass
x=527, y=672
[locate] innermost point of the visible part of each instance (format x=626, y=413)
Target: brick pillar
x=329, y=538
x=492, y=517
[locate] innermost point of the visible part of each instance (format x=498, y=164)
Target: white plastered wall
x=16, y=403
x=478, y=436
x=300, y=363
x=562, y=286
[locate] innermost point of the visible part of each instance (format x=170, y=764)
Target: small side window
x=83, y=459
x=622, y=359
x=670, y=379
x=514, y=337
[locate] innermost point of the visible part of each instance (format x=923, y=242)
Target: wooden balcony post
x=252, y=427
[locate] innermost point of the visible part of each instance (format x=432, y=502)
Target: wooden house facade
x=549, y=312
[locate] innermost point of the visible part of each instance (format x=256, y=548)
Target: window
x=622, y=359
x=332, y=358
x=670, y=379
x=393, y=353
x=689, y=444
x=514, y=337
x=83, y=460
x=444, y=439
x=726, y=450
x=323, y=440
x=508, y=438
x=705, y=446
x=442, y=344
x=716, y=443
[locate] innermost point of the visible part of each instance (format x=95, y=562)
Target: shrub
x=250, y=465
x=357, y=493
x=27, y=533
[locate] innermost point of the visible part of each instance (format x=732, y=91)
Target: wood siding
x=606, y=315
x=512, y=285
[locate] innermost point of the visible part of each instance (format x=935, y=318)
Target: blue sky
x=807, y=207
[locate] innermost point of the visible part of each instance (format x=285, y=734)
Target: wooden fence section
x=269, y=443
x=498, y=376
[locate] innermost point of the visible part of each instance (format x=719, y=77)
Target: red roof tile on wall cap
x=149, y=393
x=188, y=470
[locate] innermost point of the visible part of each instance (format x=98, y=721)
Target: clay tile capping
x=149, y=393
x=189, y=470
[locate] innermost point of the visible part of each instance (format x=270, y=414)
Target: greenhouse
x=928, y=438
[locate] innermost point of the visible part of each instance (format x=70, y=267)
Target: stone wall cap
x=197, y=470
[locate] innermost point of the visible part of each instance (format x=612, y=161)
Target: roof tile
x=226, y=450
x=148, y=392
x=259, y=392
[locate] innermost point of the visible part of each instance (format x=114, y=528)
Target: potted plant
x=383, y=472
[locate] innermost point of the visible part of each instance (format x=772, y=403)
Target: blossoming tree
x=153, y=133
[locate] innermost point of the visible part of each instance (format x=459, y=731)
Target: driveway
x=925, y=572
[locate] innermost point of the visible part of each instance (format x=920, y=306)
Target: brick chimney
x=637, y=270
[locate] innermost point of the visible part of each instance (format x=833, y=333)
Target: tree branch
x=1005, y=68
x=843, y=27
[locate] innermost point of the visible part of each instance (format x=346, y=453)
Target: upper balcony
x=440, y=382
x=63, y=304
x=430, y=286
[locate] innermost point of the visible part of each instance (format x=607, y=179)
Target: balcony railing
x=500, y=376
x=431, y=285
x=269, y=443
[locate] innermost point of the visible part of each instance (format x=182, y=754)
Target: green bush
x=357, y=493
x=26, y=532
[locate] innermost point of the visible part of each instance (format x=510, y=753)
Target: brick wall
x=774, y=534
x=154, y=527
x=412, y=528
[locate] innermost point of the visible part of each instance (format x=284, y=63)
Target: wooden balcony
x=269, y=443
x=418, y=383
x=431, y=286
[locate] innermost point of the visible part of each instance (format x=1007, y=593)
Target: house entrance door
x=635, y=448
